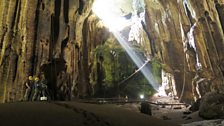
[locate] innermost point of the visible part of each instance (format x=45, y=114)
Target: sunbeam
x=110, y=13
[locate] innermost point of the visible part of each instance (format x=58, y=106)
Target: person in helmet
x=36, y=89
x=28, y=86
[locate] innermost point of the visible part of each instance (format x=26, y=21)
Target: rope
x=184, y=81
x=182, y=92
x=139, y=69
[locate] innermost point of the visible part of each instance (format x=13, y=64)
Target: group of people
x=36, y=88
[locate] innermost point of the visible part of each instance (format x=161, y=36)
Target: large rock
x=212, y=106
x=195, y=106
x=146, y=108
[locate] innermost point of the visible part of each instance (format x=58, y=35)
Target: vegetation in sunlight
x=156, y=70
x=112, y=66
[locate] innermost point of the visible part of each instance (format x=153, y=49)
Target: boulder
x=195, y=106
x=146, y=108
x=212, y=106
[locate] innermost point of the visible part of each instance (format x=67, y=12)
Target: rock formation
x=212, y=106
x=188, y=38
x=58, y=38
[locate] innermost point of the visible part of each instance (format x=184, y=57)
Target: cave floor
x=74, y=114
x=173, y=113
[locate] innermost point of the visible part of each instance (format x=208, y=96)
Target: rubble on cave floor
x=180, y=114
x=217, y=122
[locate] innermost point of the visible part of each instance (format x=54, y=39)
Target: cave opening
x=124, y=20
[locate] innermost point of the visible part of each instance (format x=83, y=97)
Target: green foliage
x=156, y=70
x=138, y=85
x=117, y=66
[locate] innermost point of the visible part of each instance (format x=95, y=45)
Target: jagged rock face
x=54, y=37
x=187, y=36
x=58, y=37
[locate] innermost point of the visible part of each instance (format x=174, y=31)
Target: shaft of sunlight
x=136, y=59
x=109, y=11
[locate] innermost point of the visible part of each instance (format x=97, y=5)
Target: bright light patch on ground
x=161, y=92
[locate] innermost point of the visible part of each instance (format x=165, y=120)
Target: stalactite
x=81, y=6
x=220, y=10
x=3, y=24
x=9, y=34
x=52, y=38
x=35, y=42
x=66, y=11
x=57, y=12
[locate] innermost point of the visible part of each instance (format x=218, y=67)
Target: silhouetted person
x=28, y=86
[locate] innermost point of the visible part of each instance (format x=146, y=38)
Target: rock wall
x=187, y=36
x=58, y=37
x=54, y=37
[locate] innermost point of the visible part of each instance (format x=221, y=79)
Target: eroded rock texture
x=188, y=38
x=53, y=36
x=58, y=37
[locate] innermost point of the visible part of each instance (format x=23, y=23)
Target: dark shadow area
x=66, y=11
x=57, y=10
x=81, y=6
x=51, y=71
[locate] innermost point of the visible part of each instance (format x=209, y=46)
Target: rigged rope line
x=184, y=81
x=184, y=78
x=139, y=69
